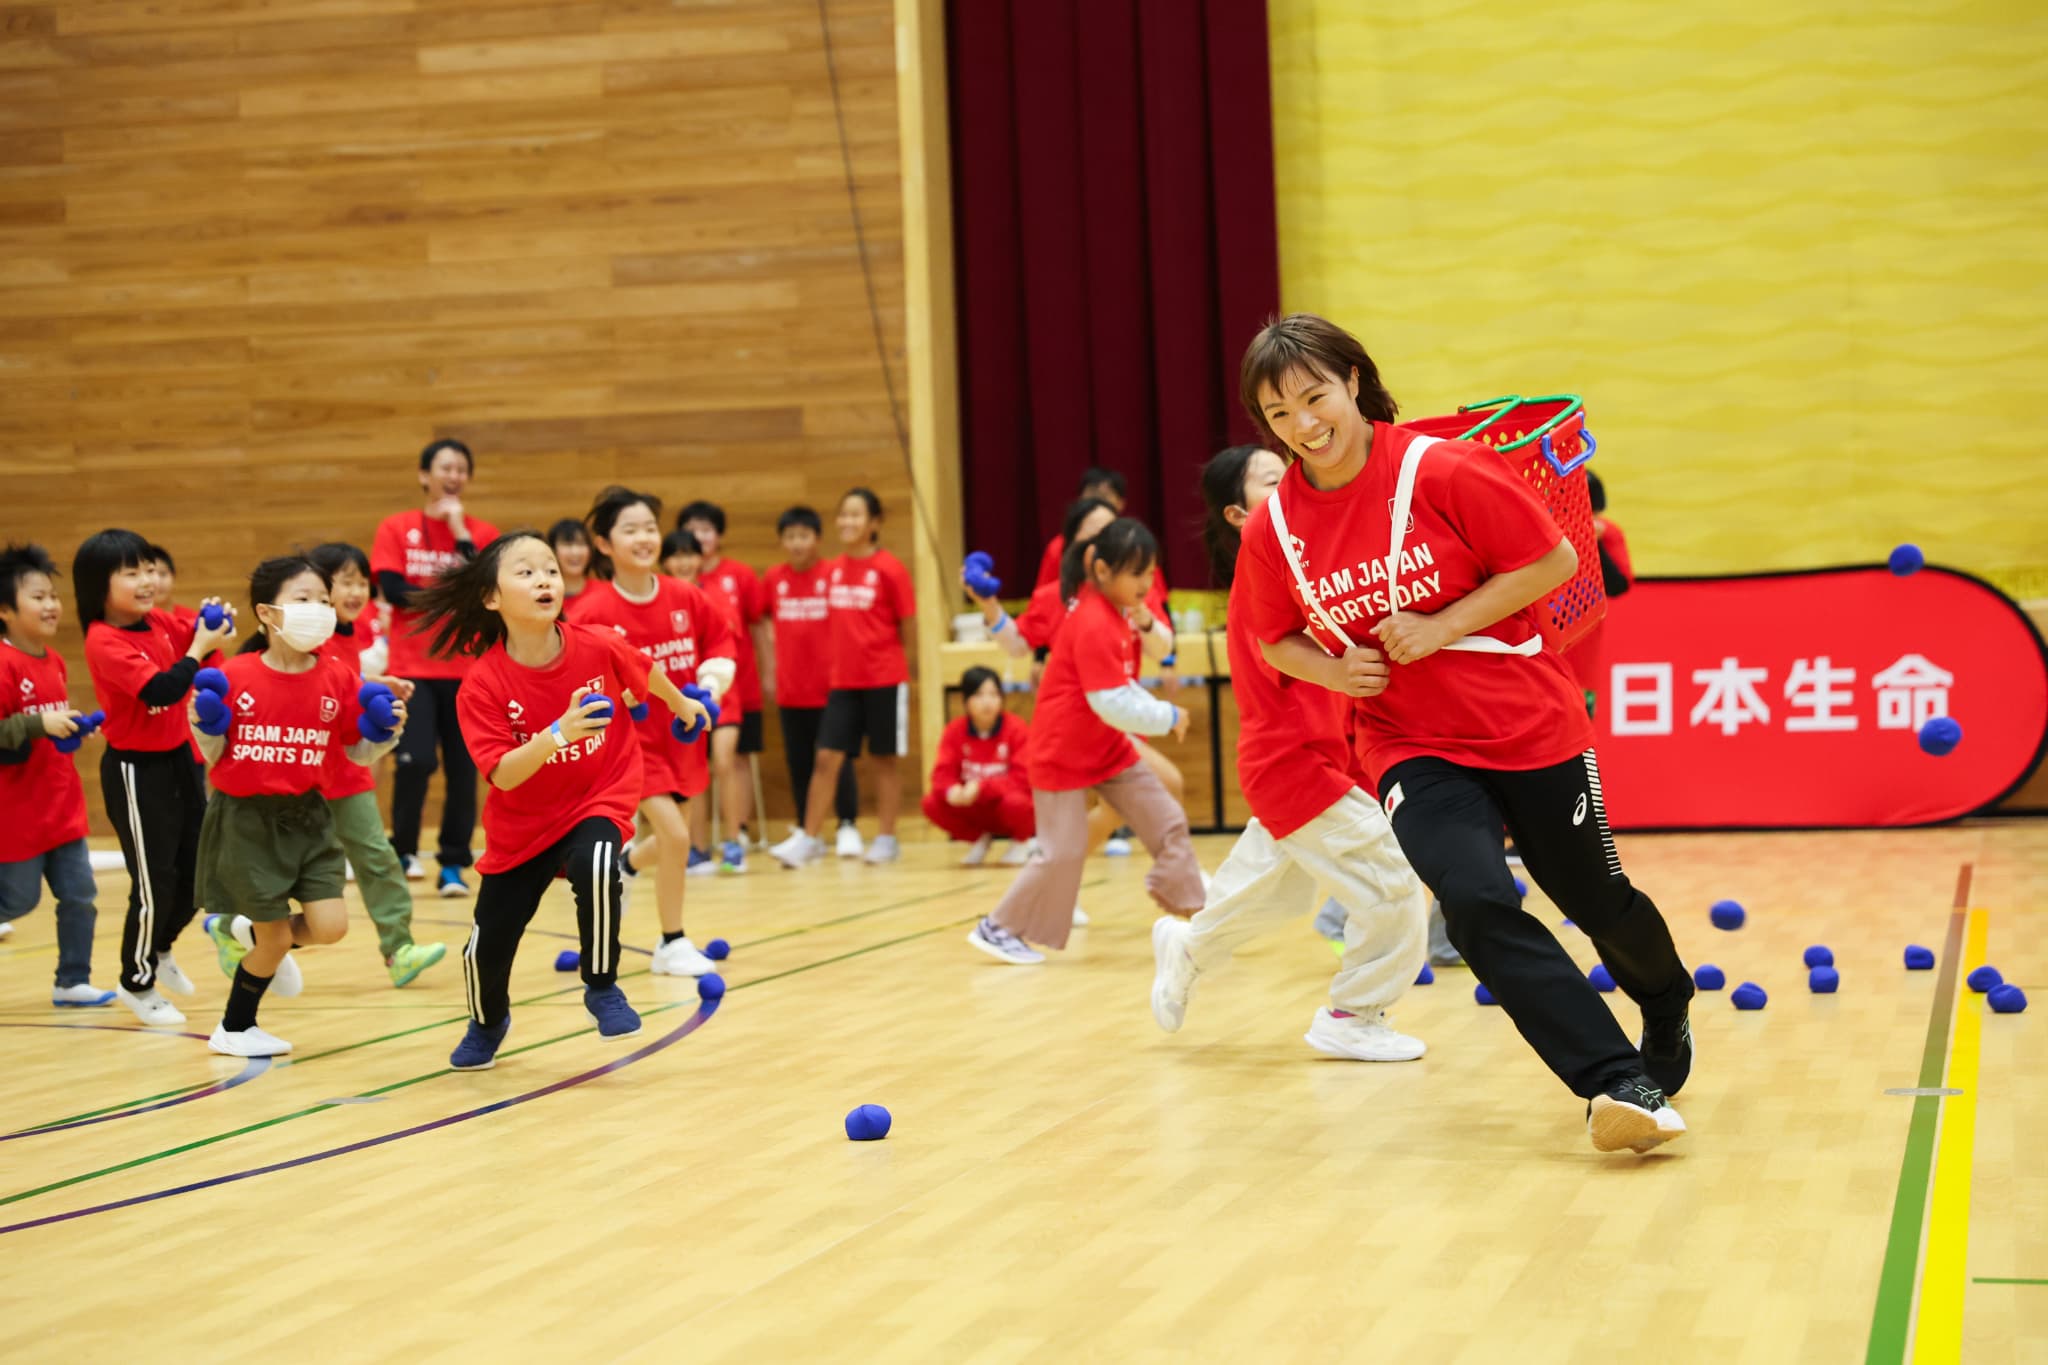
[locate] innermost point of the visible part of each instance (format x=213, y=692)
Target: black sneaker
x=1666, y=1046
x=1631, y=1112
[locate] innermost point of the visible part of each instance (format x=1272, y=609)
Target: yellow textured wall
x=1795, y=254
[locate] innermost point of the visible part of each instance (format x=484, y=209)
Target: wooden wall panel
x=253, y=255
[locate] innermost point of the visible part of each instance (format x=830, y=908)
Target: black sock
x=668, y=938
x=626, y=862
x=243, y=998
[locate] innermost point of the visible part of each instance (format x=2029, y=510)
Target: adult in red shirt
x=413, y=550
x=1314, y=830
x=537, y=712
x=1100, y=485
x=738, y=587
x=872, y=612
x=1428, y=615
x=981, y=785
x=800, y=664
x=142, y=664
x=42, y=802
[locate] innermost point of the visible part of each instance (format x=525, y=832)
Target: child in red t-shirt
x=537, y=710
x=678, y=626
x=981, y=788
x=42, y=802
x=1106, y=486
x=570, y=540
x=1440, y=555
x=270, y=733
x=351, y=788
x=142, y=664
x=166, y=570
x=799, y=665
x=873, y=616
x=739, y=587
x=1088, y=709
x=1314, y=831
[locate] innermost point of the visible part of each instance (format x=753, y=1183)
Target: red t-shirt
x=803, y=634
x=42, y=802
x=740, y=586
x=286, y=727
x=1474, y=518
x=1075, y=747
x=1049, y=562
x=502, y=705
x=419, y=549
x=344, y=776
x=994, y=760
x=1293, y=756
x=869, y=597
x=678, y=629
x=188, y=619
x=121, y=663
x=1041, y=621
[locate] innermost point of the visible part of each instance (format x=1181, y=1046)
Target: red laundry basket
x=1545, y=441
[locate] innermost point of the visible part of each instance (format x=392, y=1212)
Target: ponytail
x=1222, y=487
x=452, y=606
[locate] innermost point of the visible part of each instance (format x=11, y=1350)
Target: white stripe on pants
x=1348, y=853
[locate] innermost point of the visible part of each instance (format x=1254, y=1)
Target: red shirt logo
x=679, y=620
x=246, y=704
x=329, y=709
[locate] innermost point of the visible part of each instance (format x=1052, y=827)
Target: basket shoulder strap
x=1277, y=511
x=1404, y=500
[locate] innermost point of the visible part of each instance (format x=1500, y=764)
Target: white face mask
x=307, y=625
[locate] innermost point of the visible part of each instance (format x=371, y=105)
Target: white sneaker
x=1362, y=1037
x=1001, y=944
x=413, y=871
x=348, y=870
x=287, y=981
x=882, y=850
x=978, y=854
x=6, y=929
x=172, y=977
x=250, y=1042
x=1117, y=848
x=1173, y=972
x=84, y=995
x=798, y=849
x=151, y=1008
x=681, y=958
x=848, y=844
x=1020, y=852
x=1081, y=920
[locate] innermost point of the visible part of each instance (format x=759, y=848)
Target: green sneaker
x=414, y=958
x=226, y=946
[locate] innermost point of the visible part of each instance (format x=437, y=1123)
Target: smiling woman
x=1462, y=717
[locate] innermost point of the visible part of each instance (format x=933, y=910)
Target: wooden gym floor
x=1064, y=1181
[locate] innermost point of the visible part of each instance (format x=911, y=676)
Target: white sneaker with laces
x=798, y=849
x=84, y=995
x=152, y=1009
x=250, y=1042
x=1002, y=945
x=1362, y=1037
x=1173, y=972
x=847, y=844
x=1116, y=848
x=1020, y=852
x=681, y=958
x=172, y=977
x=287, y=981
x=978, y=854
x=882, y=850
x=413, y=871
x=1081, y=920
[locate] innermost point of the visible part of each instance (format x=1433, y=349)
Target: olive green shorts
x=258, y=854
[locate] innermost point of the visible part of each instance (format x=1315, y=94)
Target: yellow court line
x=1938, y=1334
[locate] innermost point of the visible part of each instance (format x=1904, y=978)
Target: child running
x=981, y=789
x=142, y=664
x=1088, y=708
x=42, y=802
x=351, y=787
x=268, y=837
x=1313, y=832
x=537, y=710
x=679, y=629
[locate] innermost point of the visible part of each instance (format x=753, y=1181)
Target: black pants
x=800, y=725
x=588, y=857
x=430, y=719
x=1448, y=819
x=156, y=802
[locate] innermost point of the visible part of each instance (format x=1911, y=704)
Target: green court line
x=1989, y=1279
x=1891, y=1323
x=445, y=1071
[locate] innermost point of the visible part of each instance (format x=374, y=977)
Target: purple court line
x=116, y=1028
x=251, y=1069
x=677, y=1034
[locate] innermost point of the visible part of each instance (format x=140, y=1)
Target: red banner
x=1787, y=701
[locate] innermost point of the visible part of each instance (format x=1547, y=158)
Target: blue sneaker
x=451, y=886
x=732, y=855
x=607, y=1006
x=478, y=1050
x=701, y=864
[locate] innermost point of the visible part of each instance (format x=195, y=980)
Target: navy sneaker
x=451, y=886
x=701, y=864
x=607, y=1006
x=478, y=1050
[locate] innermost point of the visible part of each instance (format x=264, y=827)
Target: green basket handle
x=1573, y=405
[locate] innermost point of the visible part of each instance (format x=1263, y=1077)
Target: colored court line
x=1892, y=1320
x=326, y=1107
x=1992, y=1279
x=688, y=1026
x=1938, y=1327
x=255, y=1067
